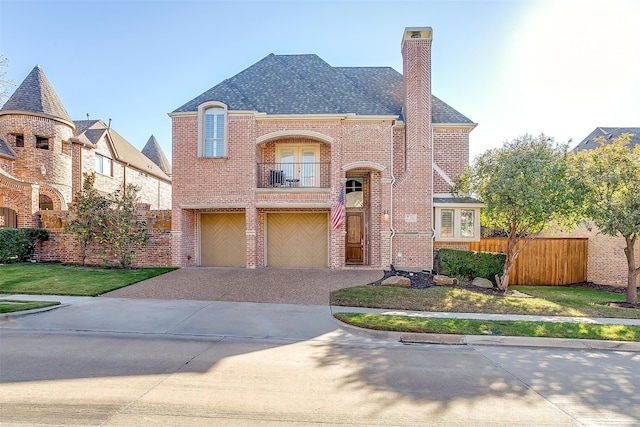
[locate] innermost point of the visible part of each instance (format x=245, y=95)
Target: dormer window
x=212, y=120
x=42, y=142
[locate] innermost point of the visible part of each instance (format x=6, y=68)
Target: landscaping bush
x=470, y=264
x=18, y=244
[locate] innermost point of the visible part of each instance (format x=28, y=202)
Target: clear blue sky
x=557, y=67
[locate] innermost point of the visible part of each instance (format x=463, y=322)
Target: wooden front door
x=354, y=251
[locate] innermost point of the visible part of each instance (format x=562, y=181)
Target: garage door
x=223, y=240
x=297, y=240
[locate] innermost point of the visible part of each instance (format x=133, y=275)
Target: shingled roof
x=154, y=152
x=305, y=84
x=589, y=143
x=36, y=95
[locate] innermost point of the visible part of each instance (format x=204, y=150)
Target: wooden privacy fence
x=545, y=261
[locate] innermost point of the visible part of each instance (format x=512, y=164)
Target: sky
x=514, y=67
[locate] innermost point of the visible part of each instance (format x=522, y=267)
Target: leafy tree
x=525, y=189
x=124, y=232
x=608, y=179
x=6, y=85
x=90, y=209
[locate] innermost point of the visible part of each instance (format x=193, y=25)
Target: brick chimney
x=413, y=198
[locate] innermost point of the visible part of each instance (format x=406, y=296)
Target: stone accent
x=481, y=282
x=397, y=281
x=444, y=280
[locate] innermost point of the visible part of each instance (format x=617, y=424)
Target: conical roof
x=154, y=152
x=36, y=95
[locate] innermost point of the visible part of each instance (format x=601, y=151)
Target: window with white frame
x=457, y=223
x=212, y=120
x=103, y=165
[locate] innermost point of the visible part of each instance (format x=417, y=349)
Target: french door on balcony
x=300, y=164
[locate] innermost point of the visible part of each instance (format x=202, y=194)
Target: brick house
x=606, y=260
x=260, y=159
x=43, y=155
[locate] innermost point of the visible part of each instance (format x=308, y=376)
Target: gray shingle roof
x=154, y=152
x=36, y=95
x=305, y=84
x=5, y=149
x=589, y=142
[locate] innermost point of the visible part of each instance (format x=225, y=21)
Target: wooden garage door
x=297, y=240
x=223, y=240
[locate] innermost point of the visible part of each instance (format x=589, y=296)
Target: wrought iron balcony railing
x=288, y=175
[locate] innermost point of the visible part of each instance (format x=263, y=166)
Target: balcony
x=291, y=175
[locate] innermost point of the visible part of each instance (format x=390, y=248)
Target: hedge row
x=18, y=244
x=470, y=264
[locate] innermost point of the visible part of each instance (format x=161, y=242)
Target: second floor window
x=214, y=133
x=103, y=165
x=19, y=140
x=42, y=142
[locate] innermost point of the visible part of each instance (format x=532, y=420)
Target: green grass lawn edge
x=567, y=330
x=12, y=306
x=70, y=279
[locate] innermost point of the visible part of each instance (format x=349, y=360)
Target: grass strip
x=10, y=306
x=546, y=301
x=490, y=327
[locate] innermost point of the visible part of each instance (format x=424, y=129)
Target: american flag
x=337, y=214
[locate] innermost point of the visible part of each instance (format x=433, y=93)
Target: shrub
x=18, y=244
x=470, y=264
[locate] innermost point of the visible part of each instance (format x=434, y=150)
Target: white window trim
x=201, y=124
x=457, y=223
x=102, y=165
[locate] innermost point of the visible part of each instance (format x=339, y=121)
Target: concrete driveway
x=309, y=286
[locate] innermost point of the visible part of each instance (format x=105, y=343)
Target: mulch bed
x=424, y=279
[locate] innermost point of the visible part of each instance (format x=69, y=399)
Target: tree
x=124, y=232
x=525, y=189
x=6, y=85
x=608, y=179
x=89, y=223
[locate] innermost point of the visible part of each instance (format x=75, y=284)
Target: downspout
x=433, y=218
x=393, y=180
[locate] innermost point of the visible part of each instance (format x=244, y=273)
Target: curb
x=450, y=339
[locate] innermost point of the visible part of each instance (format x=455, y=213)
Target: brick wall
x=60, y=247
x=451, y=154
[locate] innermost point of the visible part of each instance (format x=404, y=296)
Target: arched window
x=354, y=194
x=45, y=203
x=213, y=130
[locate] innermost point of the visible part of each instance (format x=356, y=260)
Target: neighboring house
x=608, y=134
x=43, y=155
x=260, y=159
x=606, y=260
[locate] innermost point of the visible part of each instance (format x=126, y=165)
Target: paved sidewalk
x=285, y=322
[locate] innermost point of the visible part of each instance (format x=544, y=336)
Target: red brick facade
x=392, y=155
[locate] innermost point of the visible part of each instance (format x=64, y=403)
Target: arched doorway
x=356, y=204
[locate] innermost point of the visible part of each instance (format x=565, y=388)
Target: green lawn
x=546, y=301
x=10, y=306
x=62, y=279
x=489, y=327
x=543, y=301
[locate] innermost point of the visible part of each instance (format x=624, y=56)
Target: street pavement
x=123, y=361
